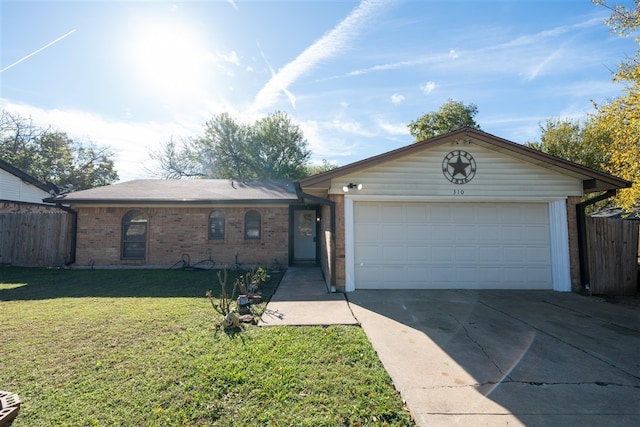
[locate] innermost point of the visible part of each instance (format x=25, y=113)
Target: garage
x=415, y=245
x=463, y=210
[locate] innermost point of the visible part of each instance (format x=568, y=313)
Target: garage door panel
x=442, y=254
x=392, y=232
x=451, y=245
x=417, y=254
x=367, y=232
x=395, y=255
x=392, y=212
x=417, y=232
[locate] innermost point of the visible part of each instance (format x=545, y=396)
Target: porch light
x=351, y=185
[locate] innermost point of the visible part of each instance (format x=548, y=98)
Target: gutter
x=332, y=226
x=583, y=254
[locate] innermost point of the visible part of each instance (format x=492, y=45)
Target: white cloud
x=324, y=142
x=231, y=58
x=130, y=141
x=428, y=87
x=453, y=54
x=351, y=127
x=332, y=43
x=393, y=128
x=396, y=99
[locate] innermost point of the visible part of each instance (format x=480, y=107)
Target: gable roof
x=23, y=175
x=592, y=180
x=187, y=191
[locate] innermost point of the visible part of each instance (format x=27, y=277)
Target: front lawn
x=98, y=347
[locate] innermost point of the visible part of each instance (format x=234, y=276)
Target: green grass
x=96, y=347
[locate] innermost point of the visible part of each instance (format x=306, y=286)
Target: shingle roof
x=145, y=191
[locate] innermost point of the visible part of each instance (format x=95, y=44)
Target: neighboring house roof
x=593, y=180
x=615, y=212
x=188, y=191
x=23, y=175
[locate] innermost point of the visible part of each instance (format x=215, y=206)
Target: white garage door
x=451, y=246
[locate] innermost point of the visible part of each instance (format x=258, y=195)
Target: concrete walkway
x=302, y=299
x=486, y=358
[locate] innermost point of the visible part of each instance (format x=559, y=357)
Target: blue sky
x=133, y=74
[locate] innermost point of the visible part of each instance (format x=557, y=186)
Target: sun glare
x=169, y=61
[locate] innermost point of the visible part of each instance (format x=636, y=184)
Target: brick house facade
x=174, y=232
x=465, y=210
x=163, y=223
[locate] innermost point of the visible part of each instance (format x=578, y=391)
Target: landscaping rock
x=247, y=318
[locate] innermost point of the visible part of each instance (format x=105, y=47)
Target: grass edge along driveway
x=125, y=347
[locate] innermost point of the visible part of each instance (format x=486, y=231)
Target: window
x=252, y=225
x=216, y=225
x=134, y=235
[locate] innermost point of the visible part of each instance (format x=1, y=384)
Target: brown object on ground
x=9, y=407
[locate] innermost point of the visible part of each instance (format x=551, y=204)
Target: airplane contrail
x=24, y=58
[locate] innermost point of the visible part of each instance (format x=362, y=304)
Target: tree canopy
x=451, y=115
x=619, y=118
x=579, y=142
x=609, y=139
x=52, y=156
x=272, y=147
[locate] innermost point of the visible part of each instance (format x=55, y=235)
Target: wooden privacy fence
x=35, y=239
x=613, y=255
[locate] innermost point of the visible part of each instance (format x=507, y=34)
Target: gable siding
x=498, y=176
x=14, y=189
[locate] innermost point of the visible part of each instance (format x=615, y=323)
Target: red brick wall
x=174, y=231
x=340, y=243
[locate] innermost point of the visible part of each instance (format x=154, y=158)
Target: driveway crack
x=466, y=332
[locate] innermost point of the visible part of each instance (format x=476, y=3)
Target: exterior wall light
x=351, y=185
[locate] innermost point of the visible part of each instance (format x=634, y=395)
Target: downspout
x=583, y=254
x=74, y=233
x=332, y=226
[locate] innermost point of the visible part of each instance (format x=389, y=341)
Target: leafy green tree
x=277, y=148
x=572, y=140
x=325, y=166
x=619, y=118
x=273, y=148
x=52, y=156
x=451, y=115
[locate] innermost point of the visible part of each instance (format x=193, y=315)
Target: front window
x=252, y=225
x=134, y=235
x=216, y=225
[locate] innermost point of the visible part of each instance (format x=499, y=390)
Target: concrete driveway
x=506, y=357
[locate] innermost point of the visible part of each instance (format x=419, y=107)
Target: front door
x=304, y=239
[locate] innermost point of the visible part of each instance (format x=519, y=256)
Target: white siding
x=14, y=189
x=499, y=176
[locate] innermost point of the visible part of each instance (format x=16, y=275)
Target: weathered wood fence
x=35, y=239
x=613, y=255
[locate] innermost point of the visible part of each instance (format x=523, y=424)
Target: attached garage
x=466, y=210
x=415, y=245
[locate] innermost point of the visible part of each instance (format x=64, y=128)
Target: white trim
x=349, y=246
x=558, y=230
x=559, y=242
x=453, y=199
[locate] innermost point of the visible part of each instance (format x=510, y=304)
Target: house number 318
x=458, y=192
